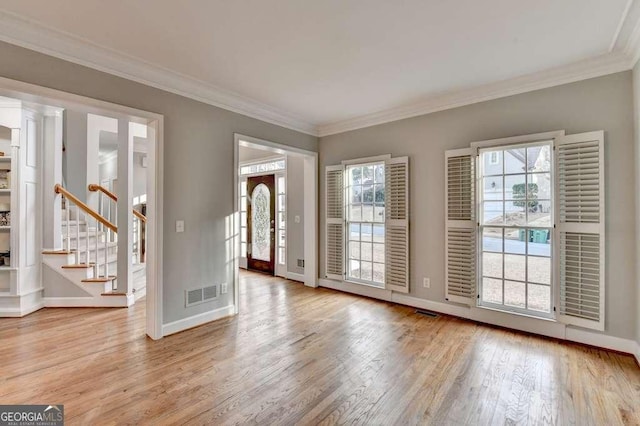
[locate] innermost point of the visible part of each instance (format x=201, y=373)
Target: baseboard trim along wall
x=196, y=320
x=89, y=302
x=524, y=323
x=295, y=276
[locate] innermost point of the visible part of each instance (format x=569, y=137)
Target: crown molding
x=595, y=67
x=623, y=54
x=17, y=30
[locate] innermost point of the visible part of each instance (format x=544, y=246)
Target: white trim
x=593, y=338
x=293, y=276
x=56, y=98
x=35, y=36
x=18, y=312
x=359, y=289
x=196, y=320
x=594, y=67
x=310, y=205
x=367, y=160
x=95, y=302
x=518, y=140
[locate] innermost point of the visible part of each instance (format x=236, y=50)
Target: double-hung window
x=367, y=224
x=525, y=226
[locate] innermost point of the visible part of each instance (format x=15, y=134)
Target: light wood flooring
x=305, y=356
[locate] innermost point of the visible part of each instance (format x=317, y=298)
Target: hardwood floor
x=309, y=356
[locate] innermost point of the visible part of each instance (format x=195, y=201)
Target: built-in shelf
x=5, y=228
x=5, y=158
x=5, y=191
x=7, y=268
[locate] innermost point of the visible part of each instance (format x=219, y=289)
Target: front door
x=261, y=214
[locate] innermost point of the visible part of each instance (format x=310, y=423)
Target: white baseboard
x=140, y=293
x=359, y=289
x=196, y=320
x=89, y=302
x=540, y=326
x=295, y=276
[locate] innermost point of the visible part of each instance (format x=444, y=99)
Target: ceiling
x=331, y=65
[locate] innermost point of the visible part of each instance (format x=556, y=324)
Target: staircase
x=83, y=273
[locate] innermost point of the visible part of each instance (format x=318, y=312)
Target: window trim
x=368, y=161
x=516, y=142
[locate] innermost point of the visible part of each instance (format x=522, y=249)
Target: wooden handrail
x=88, y=210
x=95, y=188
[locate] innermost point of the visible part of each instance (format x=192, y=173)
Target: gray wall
x=295, y=207
x=602, y=103
x=74, y=138
x=198, y=166
x=636, y=120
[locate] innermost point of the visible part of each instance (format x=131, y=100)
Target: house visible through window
x=365, y=212
x=516, y=228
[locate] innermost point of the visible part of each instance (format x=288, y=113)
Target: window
x=366, y=231
x=365, y=223
x=262, y=168
x=281, y=211
x=243, y=218
x=515, y=229
x=526, y=235
x=494, y=158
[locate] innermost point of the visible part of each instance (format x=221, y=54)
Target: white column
x=52, y=174
x=124, y=189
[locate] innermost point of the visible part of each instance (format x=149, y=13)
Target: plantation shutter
x=397, y=224
x=580, y=229
x=334, y=255
x=461, y=226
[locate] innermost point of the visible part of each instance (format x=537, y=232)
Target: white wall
x=602, y=103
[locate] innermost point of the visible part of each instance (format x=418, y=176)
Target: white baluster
x=67, y=207
x=95, y=265
x=86, y=227
x=106, y=251
x=78, y=248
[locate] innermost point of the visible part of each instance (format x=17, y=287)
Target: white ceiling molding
x=595, y=67
x=35, y=36
x=623, y=54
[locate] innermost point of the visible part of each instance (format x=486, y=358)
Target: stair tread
x=78, y=266
x=57, y=251
x=99, y=279
x=114, y=293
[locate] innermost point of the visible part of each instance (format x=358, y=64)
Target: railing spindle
x=67, y=207
x=78, y=248
x=106, y=253
x=96, y=270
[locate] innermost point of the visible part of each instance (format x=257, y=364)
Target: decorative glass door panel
x=261, y=226
x=261, y=223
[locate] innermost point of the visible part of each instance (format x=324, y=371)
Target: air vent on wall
x=200, y=295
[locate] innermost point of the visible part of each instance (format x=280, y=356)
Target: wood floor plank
x=296, y=355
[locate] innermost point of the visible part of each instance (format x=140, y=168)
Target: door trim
x=310, y=205
x=155, y=123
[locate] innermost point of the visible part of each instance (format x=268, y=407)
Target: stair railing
x=139, y=219
x=103, y=227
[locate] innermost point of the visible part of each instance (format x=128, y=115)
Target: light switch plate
x=223, y=288
x=179, y=225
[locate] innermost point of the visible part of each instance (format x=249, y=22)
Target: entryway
x=276, y=221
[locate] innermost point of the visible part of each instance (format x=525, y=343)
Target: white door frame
x=310, y=205
x=27, y=92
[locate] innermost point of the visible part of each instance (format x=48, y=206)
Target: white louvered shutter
x=579, y=267
x=334, y=254
x=461, y=226
x=397, y=224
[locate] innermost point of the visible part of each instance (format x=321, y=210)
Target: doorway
x=261, y=223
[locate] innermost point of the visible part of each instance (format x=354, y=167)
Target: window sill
x=379, y=287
